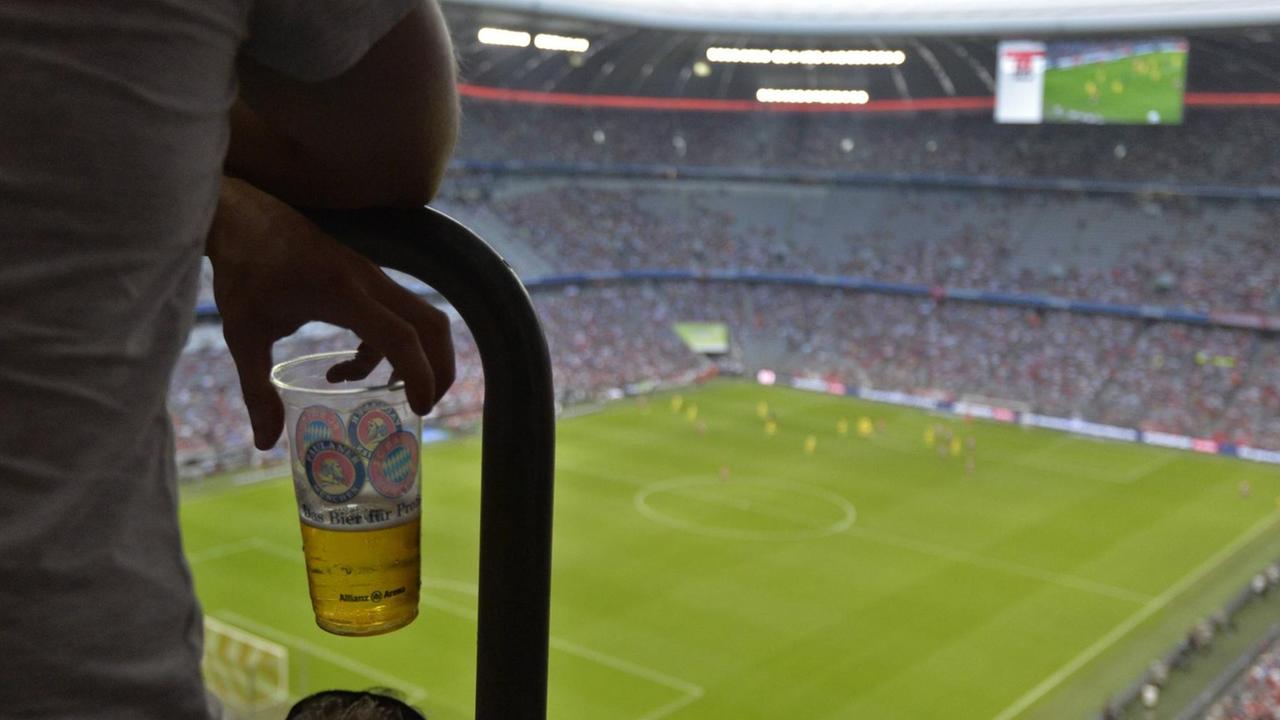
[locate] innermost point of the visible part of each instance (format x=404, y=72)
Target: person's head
x=375, y=704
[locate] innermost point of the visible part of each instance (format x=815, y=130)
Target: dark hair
x=374, y=704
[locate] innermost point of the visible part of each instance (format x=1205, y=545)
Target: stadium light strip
x=780, y=56
x=806, y=96
x=943, y=104
x=545, y=41
x=521, y=39
x=498, y=36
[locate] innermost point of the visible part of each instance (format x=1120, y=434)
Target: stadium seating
x=1201, y=255
x=1157, y=377
x=943, y=143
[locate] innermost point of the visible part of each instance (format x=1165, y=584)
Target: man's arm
x=273, y=271
x=379, y=134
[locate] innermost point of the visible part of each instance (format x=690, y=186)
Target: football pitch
x=707, y=569
x=1144, y=89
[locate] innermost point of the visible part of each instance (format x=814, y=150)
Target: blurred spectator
x=1256, y=695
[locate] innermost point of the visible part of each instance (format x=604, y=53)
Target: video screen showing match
x=1100, y=83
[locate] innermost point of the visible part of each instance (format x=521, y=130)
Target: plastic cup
x=354, y=448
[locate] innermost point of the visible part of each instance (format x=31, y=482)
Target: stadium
x=912, y=360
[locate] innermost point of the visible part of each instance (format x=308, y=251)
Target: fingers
x=430, y=324
x=253, y=363
x=358, y=367
x=437, y=342
x=394, y=323
x=398, y=340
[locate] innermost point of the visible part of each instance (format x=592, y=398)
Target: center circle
x=746, y=509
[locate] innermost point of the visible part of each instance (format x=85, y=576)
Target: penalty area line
x=689, y=692
x=415, y=693
x=1146, y=611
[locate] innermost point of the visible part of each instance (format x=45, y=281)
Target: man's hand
x=274, y=271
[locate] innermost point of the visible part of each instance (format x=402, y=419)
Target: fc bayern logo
x=317, y=423
x=370, y=424
x=394, y=465
x=335, y=471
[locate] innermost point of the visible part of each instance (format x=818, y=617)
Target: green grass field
x=1119, y=91
x=871, y=579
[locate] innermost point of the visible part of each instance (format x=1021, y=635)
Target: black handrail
x=518, y=456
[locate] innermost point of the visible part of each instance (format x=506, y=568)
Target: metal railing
x=518, y=455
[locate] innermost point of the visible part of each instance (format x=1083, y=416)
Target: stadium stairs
x=519, y=255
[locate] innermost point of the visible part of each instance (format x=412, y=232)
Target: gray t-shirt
x=113, y=127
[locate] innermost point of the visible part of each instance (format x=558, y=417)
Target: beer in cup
x=353, y=448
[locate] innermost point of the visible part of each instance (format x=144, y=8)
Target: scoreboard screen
x=1094, y=82
x=704, y=337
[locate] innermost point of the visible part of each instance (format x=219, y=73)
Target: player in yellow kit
x=865, y=427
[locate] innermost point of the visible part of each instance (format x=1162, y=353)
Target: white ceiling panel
x=915, y=17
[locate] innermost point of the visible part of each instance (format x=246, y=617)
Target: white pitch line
x=240, y=546
x=254, y=477
x=281, y=551
x=626, y=666
x=461, y=611
x=1155, y=463
x=1075, y=470
x=690, y=692
x=926, y=548
x=415, y=693
x=221, y=551
x=671, y=707
x=234, y=491
x=972, y=558
x=1124, y=628
x=804, y=532
x=1068, y=469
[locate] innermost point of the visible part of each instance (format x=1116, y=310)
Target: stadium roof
x=627, y=62
x=908, y=17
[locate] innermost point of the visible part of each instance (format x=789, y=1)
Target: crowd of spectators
x=1162, y=376
x=1202, y=382
x=1212, y=146
x=622, y=226
x=1137, y=249
x=1256, y=695
x=1206, y=256
x=600, y=341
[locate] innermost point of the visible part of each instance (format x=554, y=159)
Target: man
x=374, y=704
x=117, y=121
